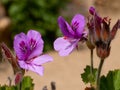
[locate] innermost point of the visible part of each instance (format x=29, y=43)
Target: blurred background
x=21, y=15
x=41, y=15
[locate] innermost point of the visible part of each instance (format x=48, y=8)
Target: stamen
x=65, y=37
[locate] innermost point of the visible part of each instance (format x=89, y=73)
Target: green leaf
x=27, y=83
x=111, y=81
x=87, y=77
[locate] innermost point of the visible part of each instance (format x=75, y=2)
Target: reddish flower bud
x=103, y=53
x=18, y=72
x=92, y=10
x=18, y=77
x=10, y=57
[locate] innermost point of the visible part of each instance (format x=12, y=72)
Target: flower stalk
x=20, y=86
x=98, y=74
x=91, y=61
x=10, y=81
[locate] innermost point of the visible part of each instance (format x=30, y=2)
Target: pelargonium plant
x=29, y=55
x=100, y=36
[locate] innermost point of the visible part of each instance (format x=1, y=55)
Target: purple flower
x=28, y=49
x=72, y=34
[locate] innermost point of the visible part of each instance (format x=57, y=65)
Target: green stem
x=20, y=86
x=98, y=74
x=91, y=61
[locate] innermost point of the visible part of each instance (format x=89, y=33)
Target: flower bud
x=90, y=45
x=18, y=77
x=103, y=53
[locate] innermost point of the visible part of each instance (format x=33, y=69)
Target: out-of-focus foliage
x=40, y=15
x=26, y=84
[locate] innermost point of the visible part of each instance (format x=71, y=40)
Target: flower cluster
x=100, y=34
x=99, y=37
x=29, y=48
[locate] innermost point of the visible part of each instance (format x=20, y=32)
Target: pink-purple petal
x=23, y=65
x=64, y=27
x=65, y=46
x=42, y=59
x=60, y=43
x=17, y=40
x=70, y=30
x=32, y=67
x=37, y=69
x=78, y=22
x=32, y=34
x=66, y=52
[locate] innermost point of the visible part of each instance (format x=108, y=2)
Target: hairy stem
x=98, y=74
x=10, y=81
x=91, y=61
